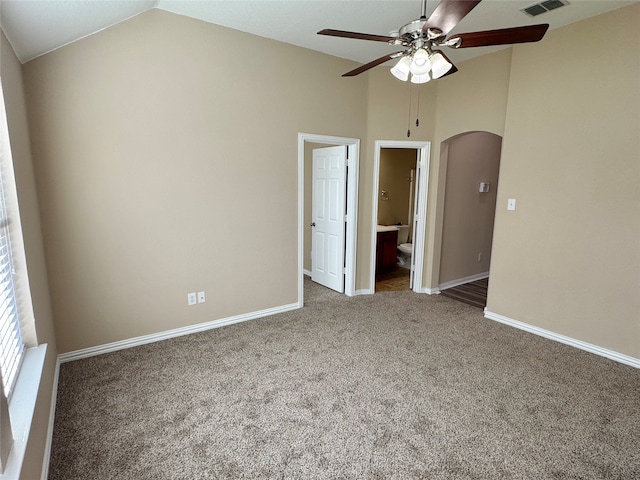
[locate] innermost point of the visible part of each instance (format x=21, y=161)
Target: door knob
x=313, y=224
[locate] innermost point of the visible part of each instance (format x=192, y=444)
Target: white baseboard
x=588, y=347
x=431, y=291
x=461, y=281
x=363, y=291
x=178, y=332
x=52, y=416
x=307, y=273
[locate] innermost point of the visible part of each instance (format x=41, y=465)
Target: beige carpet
x=394, y=385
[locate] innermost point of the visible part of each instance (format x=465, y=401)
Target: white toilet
x=405, y=249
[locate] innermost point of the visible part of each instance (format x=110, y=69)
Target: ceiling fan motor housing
x=412, y=35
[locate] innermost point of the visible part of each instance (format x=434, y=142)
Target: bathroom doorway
x=399, y=215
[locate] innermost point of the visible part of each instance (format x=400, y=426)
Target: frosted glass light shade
x=420, y=78
x=439, y=65
x=401, y=69
x=420, y=63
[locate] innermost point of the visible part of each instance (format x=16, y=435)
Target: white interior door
x=328, y=216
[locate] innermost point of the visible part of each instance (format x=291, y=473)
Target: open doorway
x=399, y=215
x=472, y=169
x=306, y=144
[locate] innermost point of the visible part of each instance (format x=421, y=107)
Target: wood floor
x=393, y=281
x=473, y=293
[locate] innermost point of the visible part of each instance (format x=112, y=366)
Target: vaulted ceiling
x=36, y=27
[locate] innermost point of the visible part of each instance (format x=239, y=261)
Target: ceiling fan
x=420, y=37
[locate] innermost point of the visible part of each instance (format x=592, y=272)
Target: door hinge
x=344, y=270
x=345, y=219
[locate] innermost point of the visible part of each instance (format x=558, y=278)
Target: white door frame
x=418, y=236
x=353, y=152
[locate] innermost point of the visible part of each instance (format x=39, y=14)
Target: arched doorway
x=472, y=162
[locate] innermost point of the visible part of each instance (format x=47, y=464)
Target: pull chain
x=409, y=116
x=418, y=110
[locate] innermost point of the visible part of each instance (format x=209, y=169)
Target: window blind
x=11, y=344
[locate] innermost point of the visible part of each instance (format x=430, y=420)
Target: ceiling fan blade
x=504, y=36
x=448, y=14
x=374, y=63
x=356, y=35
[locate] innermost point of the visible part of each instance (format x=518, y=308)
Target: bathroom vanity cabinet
x=386, y=257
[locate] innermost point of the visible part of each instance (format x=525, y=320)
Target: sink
x=386, y=228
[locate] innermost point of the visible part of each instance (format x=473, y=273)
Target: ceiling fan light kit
x=440, y=65
x=420, y=63
x=420, y=78
x=402, y=69
x=420, y=36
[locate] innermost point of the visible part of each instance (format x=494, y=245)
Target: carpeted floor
x=394, y=385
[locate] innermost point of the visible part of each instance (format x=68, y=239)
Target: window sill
x=21, y=408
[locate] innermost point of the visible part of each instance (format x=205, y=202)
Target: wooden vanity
x=386, y=249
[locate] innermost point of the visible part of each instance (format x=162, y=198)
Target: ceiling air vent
x=543, y=7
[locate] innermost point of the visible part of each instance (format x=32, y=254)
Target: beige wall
x=473, y=99
x=570, y=153
x=34, y=283
x=395, y=168
x=144, y=134
x=308, y=189
x=467, y=228
x=164, y=168
x=388, y=119
x=568, y=258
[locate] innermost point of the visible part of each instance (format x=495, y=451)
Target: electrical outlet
x=201, y=297
x=191, y=298
x=511, y=204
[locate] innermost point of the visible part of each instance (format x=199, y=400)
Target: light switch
x=511, y=204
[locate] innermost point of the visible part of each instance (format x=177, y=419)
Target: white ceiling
x=36, y=27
